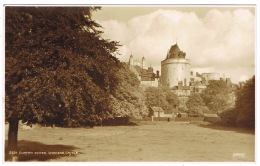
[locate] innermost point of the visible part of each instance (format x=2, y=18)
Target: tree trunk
x=12, y=140
x=12, y=135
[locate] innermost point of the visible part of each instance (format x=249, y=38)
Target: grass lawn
x=158, y=141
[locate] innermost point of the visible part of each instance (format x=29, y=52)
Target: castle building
x=145, y=75
x=211, y=76
x=175, y=71
x=175, y=74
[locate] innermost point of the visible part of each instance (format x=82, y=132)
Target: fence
x=189, y=119
x=171, y=119
x=124, y=121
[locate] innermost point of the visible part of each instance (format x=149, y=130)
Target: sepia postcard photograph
x=129, y=83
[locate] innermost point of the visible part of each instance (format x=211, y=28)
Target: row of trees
x=214, y=99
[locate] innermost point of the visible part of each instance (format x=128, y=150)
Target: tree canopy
x=162, y=97
x=245, y=104
x=196, y=105
x=58, y=68
x=243, y=114
x=216, y=96
x=127, y=99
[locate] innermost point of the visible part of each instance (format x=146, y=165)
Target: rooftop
x=175, y=53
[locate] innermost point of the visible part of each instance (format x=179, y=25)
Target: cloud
x=222, y=41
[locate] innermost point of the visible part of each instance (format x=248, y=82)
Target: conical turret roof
x=175, y=52
x=175, y=49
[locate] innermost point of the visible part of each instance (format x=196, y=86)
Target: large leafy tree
x=243, y=114
x=58, y=68
x=245, y=104
x=216, y=96
x=196, y=105
x=128, y=98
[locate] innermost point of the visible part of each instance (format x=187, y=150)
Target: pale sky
x=218, y=39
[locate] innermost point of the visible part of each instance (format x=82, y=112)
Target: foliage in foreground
x=243, y=114
x=60, y=71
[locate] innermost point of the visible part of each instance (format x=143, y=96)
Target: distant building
x=195, y=76
x=156, y=112
x=211, y=76
x=145, y=75
x=176, y=75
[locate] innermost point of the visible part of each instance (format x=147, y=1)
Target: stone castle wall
x=175, y=70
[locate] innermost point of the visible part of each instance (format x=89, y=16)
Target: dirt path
x=174, y=142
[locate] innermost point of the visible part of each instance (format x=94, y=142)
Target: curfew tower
x=175, y=69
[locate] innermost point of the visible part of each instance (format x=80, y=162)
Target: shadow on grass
x=35, y=151
x=229, y=128
x=131, y=123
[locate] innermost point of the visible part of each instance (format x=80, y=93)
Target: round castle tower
x=175, y=69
